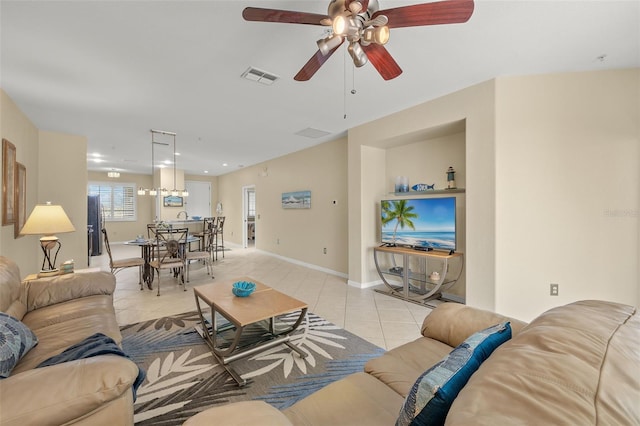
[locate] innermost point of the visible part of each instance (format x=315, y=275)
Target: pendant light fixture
x=163, y=191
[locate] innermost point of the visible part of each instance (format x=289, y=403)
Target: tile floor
x=380, y=319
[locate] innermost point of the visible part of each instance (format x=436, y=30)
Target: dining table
x=146, y=249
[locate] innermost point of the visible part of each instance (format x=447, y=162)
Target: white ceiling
x=113, y=70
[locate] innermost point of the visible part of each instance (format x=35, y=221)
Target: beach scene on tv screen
x=423, y=223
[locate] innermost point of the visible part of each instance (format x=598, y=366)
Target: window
x=251, y=204
x=118, y=200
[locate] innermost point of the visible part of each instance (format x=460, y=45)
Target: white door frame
x=245, y=196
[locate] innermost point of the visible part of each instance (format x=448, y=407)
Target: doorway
x=249, y=216
x=198, y=203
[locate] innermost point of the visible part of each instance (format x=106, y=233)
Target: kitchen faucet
x=186, y=215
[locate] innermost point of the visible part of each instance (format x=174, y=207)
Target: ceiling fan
x=365, y=28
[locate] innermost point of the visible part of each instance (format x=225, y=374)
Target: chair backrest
x=209, y=232
x=107, y=246
x=220, y=223
x=171, y=243
x=151, y=230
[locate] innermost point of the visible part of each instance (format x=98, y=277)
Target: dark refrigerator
x=94, y=225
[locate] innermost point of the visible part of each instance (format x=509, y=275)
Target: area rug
x=183, y=378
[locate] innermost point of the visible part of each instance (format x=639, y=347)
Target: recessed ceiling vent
x=312, y=133
x=259, y=76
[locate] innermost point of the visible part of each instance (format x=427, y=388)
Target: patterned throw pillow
x=432, y=394
x=16, y=339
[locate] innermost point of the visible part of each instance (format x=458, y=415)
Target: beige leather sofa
x=573, y=365
x=63, y=311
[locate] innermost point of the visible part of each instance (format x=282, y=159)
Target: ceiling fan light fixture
x=346, y=26
x=329, y=43
x=355, y=7
x=378, y=35
x=357, y=54
x=378, y=21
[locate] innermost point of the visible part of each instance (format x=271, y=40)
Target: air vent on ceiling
x=254, y=74
x=312, y=133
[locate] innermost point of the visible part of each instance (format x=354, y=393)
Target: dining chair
x=170, y=248
x=120, y=264
x=208, y=223
x=206, y=250
x=219, y=233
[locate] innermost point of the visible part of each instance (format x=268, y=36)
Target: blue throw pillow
x=432, y=394
x=16, y=339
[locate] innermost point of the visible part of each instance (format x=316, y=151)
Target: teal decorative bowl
x=243, y=288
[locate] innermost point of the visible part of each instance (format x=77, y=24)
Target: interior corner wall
x=474, y=105
x=63, y=180
x=20, y=131
x=567, y=189
x=297, y=234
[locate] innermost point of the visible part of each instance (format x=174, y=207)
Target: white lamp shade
x=47, y=219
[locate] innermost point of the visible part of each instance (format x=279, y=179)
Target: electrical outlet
x=553, y=289
x=324, y=250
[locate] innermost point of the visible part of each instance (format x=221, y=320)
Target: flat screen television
x=420, y=223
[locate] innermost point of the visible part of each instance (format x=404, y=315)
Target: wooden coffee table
x=263, y=304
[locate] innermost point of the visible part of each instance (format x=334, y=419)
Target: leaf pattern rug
x=183, y=378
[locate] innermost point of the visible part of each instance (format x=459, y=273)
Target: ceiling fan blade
x=314, y=64
x=282, y=16
x=442, y=12
x=382, y=61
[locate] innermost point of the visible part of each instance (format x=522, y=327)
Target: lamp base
x=48, y=273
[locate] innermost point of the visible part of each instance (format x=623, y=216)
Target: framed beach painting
x=296, y=200
x=8, y=182
x=20, y=198
x=172, y=201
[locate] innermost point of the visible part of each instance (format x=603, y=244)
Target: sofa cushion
x=434, y=391
x=573, y=365
x=78, y=320
x=452, y=323
x=358, y=399
x=9, y=283
x=16, y=339
x=400, y=367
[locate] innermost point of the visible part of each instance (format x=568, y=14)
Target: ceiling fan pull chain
x=344, y=83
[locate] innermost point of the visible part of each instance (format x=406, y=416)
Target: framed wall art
x=172, y=201
x=20, y=199
x=296, y=200
x=8, y=182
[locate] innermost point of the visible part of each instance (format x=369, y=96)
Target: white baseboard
x=306, y=265
x=357, y=284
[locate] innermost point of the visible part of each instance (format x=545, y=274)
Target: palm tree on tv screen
x=399, y=211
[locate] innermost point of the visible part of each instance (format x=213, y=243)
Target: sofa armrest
x=61, y=393
x=452, y=323
x=49, y=291
x=240, y=414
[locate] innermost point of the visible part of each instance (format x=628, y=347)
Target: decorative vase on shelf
x=402, y=184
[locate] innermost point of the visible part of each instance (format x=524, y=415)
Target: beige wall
x=567, y=189
x=18, y=129
x=302, y=233
x=562, y=153
x=427, y=162
x=62, y=180
x=474, y=108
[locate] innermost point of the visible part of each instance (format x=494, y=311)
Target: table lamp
x=47, y=220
